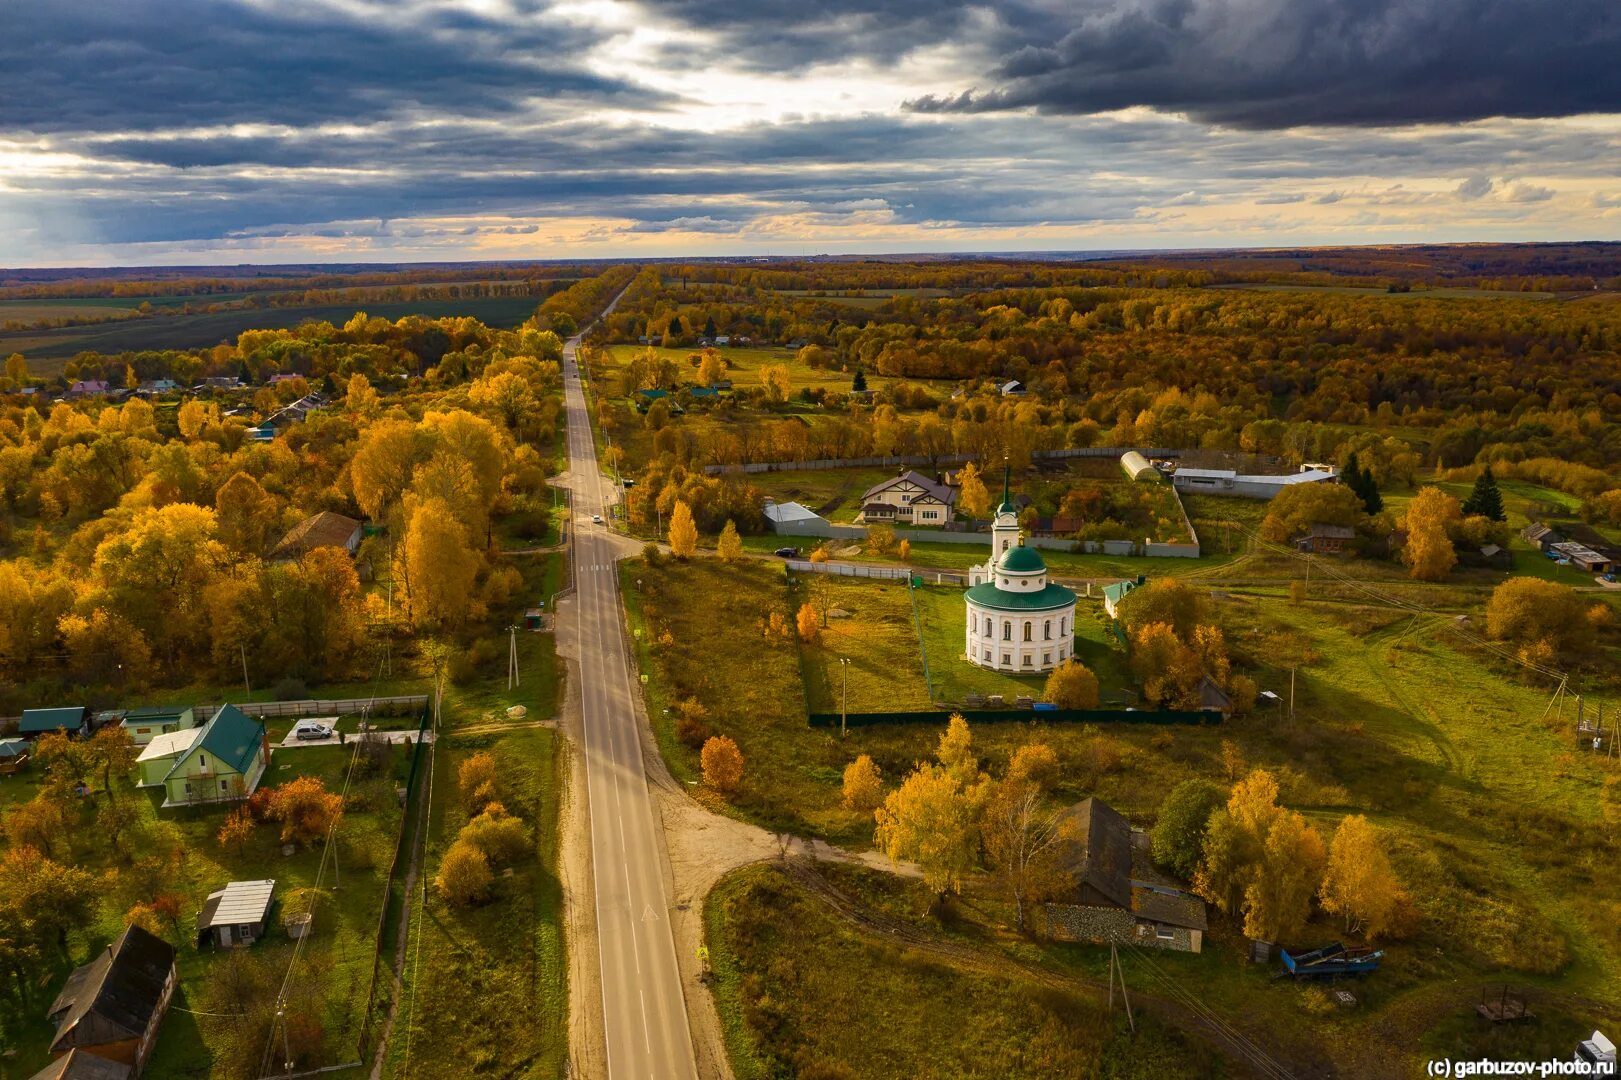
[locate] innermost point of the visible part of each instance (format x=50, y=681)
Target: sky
x=148, y=132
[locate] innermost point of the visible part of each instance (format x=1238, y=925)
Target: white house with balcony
x=1017, y=620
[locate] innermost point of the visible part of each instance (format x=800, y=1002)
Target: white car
x=310, y=730
x=596, y=519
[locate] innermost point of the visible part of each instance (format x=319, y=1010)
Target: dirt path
x=402, y=936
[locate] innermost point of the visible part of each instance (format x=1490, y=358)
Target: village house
x=88, y=388
x=1011, y=388
x=325, y=529
x=1583, y=557
x=13, y=756
x=236, y=915
x=1540, y=536
x=1117, y=894
x=161, y=752
x=112, y=1007
x=910, y=498
x=149, y=721
x=1325, y=539
x=70, y=720
x=224, y=763
x=1113, y=594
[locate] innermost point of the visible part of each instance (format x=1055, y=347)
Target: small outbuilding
x=237, y=914
x=1135, y=466
x=1326, y=539
x=82, y=1065
x=13, y=755
x=158, y=756
x=1540, y=536
x=1113, y=594
x=70, y=720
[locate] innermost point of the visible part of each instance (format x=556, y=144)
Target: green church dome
x=1021, y=560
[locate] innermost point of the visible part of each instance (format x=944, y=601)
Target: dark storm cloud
x=144, y=65
x=1284, y=63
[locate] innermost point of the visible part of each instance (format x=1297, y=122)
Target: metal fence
x=271, y=710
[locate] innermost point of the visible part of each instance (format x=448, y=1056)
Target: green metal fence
x=1061, y=716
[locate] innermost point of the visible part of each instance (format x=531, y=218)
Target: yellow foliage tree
x=306, y=809
x=683, y=531
x=809, y=624
x=722, y=764
x=972, y=497
x=1359, y=884
x=904, y=551
x=777, y=382
x=359, y=395
x=1428, y=552
x=440, y=566
x=478, y=779
x=730, y=545
x=1072, y=686
x=383, y=464
x=930, y=820
x=863, y=786
x=1277, y=901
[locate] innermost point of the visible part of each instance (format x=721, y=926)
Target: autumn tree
x=306, y=809
x=1165, y=600
x=1359, y=883
x=729, y=548
x=1023, y=842
x=1428, y=551
x=1294, y=510
x=40, y=823
x=464, y=876
x=440, y=566
x=903, y=551
x=502, y=838
x=1033, y=763
x=808, y=623
x=863, y=786
x=722, y=764
x=50, y=898
x=237, y=829
x=113, y=752
x=1277, y=901
x=509, y=396
x=1539, y=617
x=385, y=459
x=359, y=397
x=930, y=820
x=1072, y=686
x=683, y=533
x=777, y=381
x=245, y=514
x=972, y=497
x=1178, y=835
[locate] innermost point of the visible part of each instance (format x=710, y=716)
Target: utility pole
x=1291, y=693
x=1115, y=970
x=512, y=658
x=844, y=697
x=246, y=689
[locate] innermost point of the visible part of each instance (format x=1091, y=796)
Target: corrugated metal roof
x=239, y=902
x=35, y=721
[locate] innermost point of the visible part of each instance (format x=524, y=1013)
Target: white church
x=1018, y=621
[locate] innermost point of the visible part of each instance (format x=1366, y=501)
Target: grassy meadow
x=1498, y=823
x=485, y=990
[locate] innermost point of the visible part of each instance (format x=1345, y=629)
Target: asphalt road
x=644, y=1012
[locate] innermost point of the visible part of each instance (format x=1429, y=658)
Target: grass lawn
x=877, y=636
x=744, y=367
x=958, y=558
x=802, y=992
x=833, y=493
x=486, y=990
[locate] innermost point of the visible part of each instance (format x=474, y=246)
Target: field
x=785, y=963
x=1436, y=293
x=485, y=990
x=744, y=364
x=44, y=347
x=1493, y=817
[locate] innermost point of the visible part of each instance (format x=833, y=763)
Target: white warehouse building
x=1246, y=486
x=1017, y=620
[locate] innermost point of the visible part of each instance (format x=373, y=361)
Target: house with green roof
x=149, y=721
x=1113, y=594
x=223, y=764
x=71, y=720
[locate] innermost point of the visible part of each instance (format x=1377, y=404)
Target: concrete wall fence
x=921, y=461
x=1071, y=716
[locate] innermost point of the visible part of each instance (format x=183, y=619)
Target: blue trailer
x=1330, y=962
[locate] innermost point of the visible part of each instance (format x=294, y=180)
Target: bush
x=290, y=689
x=478, y=780
x=693, y=731
x=464, y=876
x=502, y=838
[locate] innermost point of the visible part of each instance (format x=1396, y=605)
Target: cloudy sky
x=164, y=131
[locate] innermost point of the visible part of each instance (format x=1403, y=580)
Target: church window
x=1007, y=630
x=1027, y=631
x=1047, y=630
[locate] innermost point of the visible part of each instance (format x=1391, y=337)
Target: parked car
x=310, y=730
x=787, y=553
